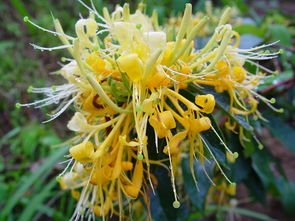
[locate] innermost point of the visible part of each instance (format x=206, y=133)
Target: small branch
x=287, y=81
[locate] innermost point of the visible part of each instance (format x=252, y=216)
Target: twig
x=287, y=81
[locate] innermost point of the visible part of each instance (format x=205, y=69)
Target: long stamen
x=176, y=203
x=235, y=154
x=26, y=19
x=51, y=48
x=214, y=158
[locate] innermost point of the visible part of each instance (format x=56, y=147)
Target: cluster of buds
x=125, y=76
x=214, y=13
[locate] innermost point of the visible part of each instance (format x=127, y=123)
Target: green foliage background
x=29, y=164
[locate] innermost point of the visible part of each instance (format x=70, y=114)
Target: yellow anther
x=231, y=157
x=176, y=204
x=231, y=189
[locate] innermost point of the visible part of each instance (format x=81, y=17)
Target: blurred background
x=28, y=161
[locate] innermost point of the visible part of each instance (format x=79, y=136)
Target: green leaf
x=250, y=29
x=36, y=201
x=4, y=45
x=22, y=11
x=29, y=139
x=162, y=203
x=240, y=169
x=4, y=139
x=281, y=33
x=25, y=184
x=126, y=83
x=288, y=198
x=249, y=41
x=222, y=101
x=282, y=131
x=197, y=197
x=215, y=146
x=255, y=186
x=244, y=212
x=178, y=5
x=261, y=160
x=274, y=79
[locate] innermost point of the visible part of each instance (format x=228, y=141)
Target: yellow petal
x=206, y=103
x=132, y=191
x=174, y=143
x=126, y=165
x=104, y=210
x=162, y=123
x=222, y=68
x=101, y=175
x=82, y=152
x=96, y=63
x=200, y=124
x=69, y=180
x=157, y=79
x=75, y=194
x=132, y=65
x=155, y=40
x=239, y=74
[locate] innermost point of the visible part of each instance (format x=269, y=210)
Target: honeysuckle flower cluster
x=122, y=76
